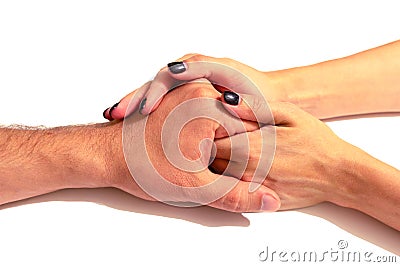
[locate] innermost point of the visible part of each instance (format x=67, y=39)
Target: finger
x=219, y=165
x=159, y=87
x=223, y=148
x=230, y=168
x=255, y=108
x=166, y=82
x=248, y=125
x=217, y=71
x=240, y=199
x=185, y=57
x=247, y=107
x=251, y=157
x=106, y=114
x=127, y=105
x=117, y=108
x=239, y=152
x=195, y=67
x=234, y=169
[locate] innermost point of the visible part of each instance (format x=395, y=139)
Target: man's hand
x=169, y=163
x=179, y=173
x=308, y=155
x=312, y=165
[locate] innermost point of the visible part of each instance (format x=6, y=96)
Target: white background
x=64, y=62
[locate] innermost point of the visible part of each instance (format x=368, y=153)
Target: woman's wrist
x=299, y=86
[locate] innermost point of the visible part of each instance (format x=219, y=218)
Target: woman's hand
x=317, y=88
x=168, y=153
x=307, y=161
x=222, y=72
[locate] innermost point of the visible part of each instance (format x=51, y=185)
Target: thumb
x=256, y=108
x=240, y=199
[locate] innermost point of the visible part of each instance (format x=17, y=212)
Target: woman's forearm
x=367, y=82
x=370, y=186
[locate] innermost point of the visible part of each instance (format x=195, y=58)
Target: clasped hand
x=292, y=148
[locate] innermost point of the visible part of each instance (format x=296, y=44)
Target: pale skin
x=39, y=161
x=326, y=90
x=309, y=156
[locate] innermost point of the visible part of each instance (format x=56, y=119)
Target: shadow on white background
x=352, y=221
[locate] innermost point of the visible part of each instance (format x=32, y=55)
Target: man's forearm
x=370, y=186
x=38, y=161
x=367, y=82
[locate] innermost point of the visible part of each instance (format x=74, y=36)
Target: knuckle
x=163, y=69
x=289, y=107
x=257, y=105
x=198, y=57
x=231, y=202
x=203, y=90
x=188, y=55
x=237, y=200
x=230, y=62
x=250, y=149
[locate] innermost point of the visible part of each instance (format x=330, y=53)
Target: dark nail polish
x=176, y=67
x=104, y=113
x=142, y=104
x=231, y=98
x=112, y=108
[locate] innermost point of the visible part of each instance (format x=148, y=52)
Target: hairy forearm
x=369, y=185
x=367, y=82
x=38, y=161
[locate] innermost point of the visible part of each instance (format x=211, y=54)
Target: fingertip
x=231, y=98
x=269, y=203
x=143, y=107
x=106, y=114
x=150, y=103
x=117, y=114
x=177, y=67
x=111, y=110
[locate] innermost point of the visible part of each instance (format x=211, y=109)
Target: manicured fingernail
x=112, y=108
x=104, y=114
x=268, y=203
x=142, y=105
x=231, y=98
x=176, y=67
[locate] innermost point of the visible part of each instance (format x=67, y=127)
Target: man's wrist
x=83, y=164
x=355, y=185
x=116, y=169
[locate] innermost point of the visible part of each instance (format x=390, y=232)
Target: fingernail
x=112, y=108
x=104, y=114
x=176, y=67
x=142, y=105
x=268, y=203
x=231, y=98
